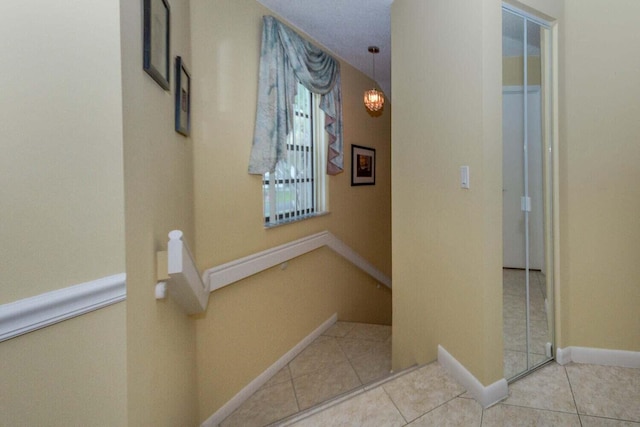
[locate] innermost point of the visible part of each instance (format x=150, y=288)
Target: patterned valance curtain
x=285, y=59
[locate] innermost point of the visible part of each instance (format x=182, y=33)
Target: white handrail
x=184, y=284
x=231, y=272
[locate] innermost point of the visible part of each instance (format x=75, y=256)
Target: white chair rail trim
x=226, y=274
x=29, y=314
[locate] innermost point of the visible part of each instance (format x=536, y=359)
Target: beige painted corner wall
x=600, y=195
x=249, y=325
x=69, y=374
x=158, y=176
x=447, y=241
x=62, y=209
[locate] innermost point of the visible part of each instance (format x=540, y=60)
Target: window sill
x=298, y=219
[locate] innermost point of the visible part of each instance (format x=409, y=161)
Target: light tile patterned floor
x=571, y=395
x=351, y=355
x=344, y=358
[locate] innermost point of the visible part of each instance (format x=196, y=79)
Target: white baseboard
x=29, y=314
x=598, y=356
x=254, y=385
x=486, y=396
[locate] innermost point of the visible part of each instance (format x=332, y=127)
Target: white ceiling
x=346, y=28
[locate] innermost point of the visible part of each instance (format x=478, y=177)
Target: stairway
x=342, y=362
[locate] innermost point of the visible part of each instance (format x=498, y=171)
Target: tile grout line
x=393, y=403
x=293, y=386
x=334, y=400
x=355, y=371
x=537, y=409
x=573, y=396
x=433, y=409
x=307, y=413
x=320, y=407
x=424, y=413
x=607, y=418
x=371, y=351
x=362, y=382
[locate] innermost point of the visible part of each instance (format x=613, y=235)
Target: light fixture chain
x=374, y=67
x=373, y=99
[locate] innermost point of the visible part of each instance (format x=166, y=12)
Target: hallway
x=555, y=395
x=342, y=379
x=572, y=395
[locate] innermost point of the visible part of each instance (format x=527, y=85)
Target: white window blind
x=295, y=190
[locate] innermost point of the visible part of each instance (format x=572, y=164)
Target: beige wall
x=447, y=241
x=61, y=169
x=513, y=70
x=249, y=325
x=599, y=157
x=161, y=362
x=596, y=293
x=599, y=88
x=69, y=374
x=140, y=356
x=62, y=207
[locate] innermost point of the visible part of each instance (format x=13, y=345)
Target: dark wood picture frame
x=183, y=98
x=156, y=41
x=363, y=165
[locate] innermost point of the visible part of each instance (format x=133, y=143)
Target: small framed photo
x=183, y=98
x=156, y=59
x=363, y=165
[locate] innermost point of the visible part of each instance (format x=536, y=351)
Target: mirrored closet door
x=527, y=193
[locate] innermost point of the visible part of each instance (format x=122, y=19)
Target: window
x=296, y=190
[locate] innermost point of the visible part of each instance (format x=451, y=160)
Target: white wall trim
x=598, y=356
x=29, y=314
x=237, y=400
x=339, y=247
x=486, y=396
x=226, y=274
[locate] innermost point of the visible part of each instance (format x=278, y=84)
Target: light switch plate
x=464, y=177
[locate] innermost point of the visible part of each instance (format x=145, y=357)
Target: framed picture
x=183, y=98
x=363, y=165
x=156, y=41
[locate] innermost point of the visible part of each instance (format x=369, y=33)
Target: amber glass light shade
x=373, y=99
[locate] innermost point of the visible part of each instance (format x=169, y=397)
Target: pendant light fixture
x=373, y=99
